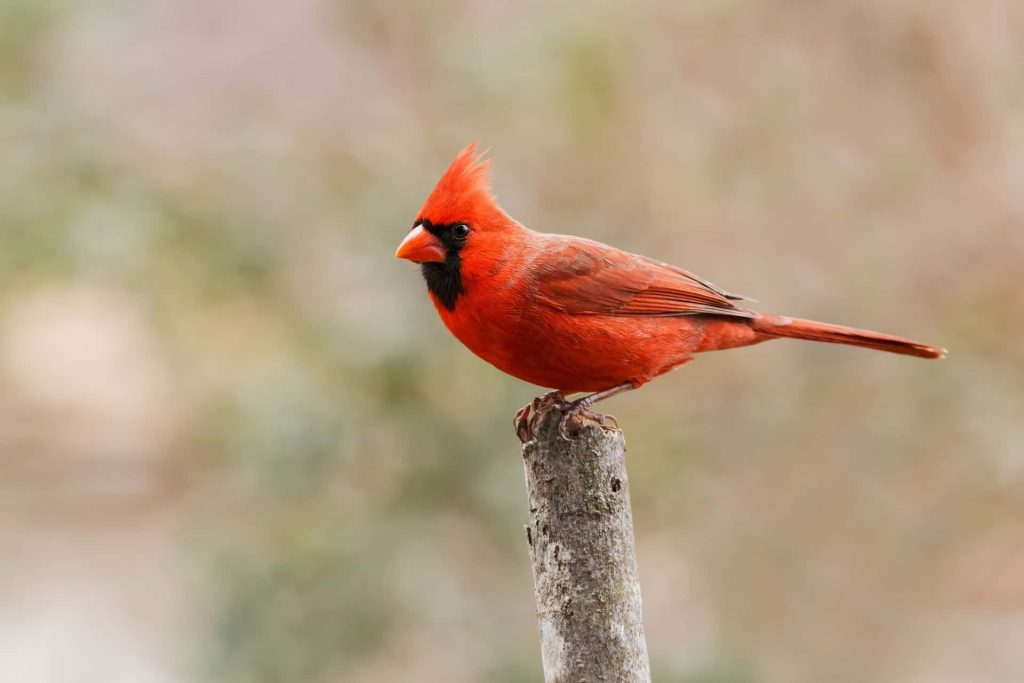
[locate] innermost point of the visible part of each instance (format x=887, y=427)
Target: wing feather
x=583, y=277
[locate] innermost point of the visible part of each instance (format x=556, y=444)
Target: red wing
x=589, y=278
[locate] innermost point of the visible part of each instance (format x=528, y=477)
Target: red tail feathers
x=781, y=326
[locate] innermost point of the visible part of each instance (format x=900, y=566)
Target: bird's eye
x=460, y=231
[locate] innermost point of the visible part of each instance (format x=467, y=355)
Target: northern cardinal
x=576, y=315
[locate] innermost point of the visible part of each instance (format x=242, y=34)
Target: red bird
x=577, y=315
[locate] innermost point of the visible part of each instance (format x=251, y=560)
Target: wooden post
x=581, y=544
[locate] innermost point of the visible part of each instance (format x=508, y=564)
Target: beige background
x=236, y=443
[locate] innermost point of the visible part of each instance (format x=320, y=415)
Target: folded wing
x=583, y=277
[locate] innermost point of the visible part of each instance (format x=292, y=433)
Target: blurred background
x=237, y=444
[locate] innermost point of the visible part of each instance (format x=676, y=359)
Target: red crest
x=463, y=194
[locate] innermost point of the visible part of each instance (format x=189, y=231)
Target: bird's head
x=460, y=220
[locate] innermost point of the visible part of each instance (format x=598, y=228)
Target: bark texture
x=582, y=549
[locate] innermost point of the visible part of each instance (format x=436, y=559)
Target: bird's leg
x=581, y=407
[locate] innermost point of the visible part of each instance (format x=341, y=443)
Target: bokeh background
x=236, y=443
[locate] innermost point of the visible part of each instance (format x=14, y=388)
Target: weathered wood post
x=581, y=544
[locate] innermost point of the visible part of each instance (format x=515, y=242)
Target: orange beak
x=419, y=246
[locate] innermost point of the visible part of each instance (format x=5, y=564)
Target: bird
x=575, y=315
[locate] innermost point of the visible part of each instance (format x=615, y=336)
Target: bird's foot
x=529, y=417
x=576, y=412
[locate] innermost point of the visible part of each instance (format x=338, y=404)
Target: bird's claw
x=525, y=421
x=528, y=419
x=572, y=416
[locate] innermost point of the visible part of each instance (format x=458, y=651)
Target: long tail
x=794, y=328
